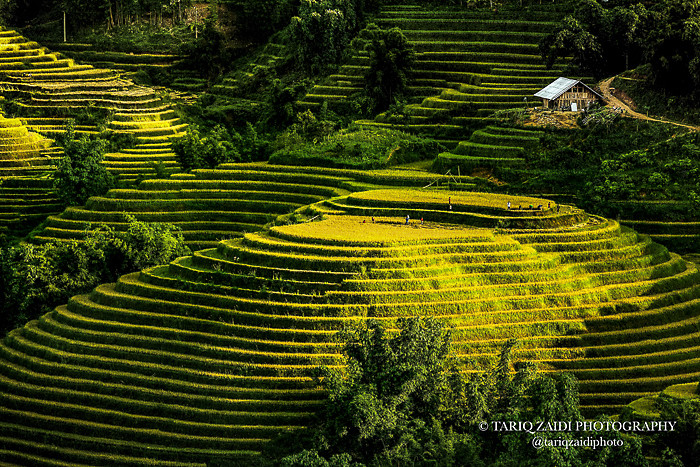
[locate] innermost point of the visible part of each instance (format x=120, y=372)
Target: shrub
x=196, y=150
x=321, y=32
x=356, y=148
x=34, y=279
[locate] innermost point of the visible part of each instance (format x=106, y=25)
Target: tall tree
x=390, y=60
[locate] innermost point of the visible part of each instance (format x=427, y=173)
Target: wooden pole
x=64, y=26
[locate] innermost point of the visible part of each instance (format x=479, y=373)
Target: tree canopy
x=404, y=399
x=605, y=41
x=390, y=60
x=36, y=278
x=79, y=173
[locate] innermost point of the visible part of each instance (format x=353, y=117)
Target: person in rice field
x=509, y=205
x=408, y=218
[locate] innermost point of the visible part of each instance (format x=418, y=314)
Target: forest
x=349, y=232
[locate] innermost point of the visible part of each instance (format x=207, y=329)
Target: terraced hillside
x=494, y=147
x=469, y=63
x=206, y=359
x=26, y=196
x=210, y=205
x=238, y=82
x=132, y=62
x=647, y=408
x=49, y=89
x=660, y=220
x=114, y=60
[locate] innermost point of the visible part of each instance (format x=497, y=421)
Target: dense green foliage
x=258, y=19
x=572, y=158
x=390, y=60
x=603, y=41
x=667, y=170
x=117, y=13
x=321, y=32
x=209, y=54
x=36, y=278
x=79, y=174
x=403, y=400
x=600, y=40
x=682, y=446
x=197, y=149
x=349, y=148
x=653, y=100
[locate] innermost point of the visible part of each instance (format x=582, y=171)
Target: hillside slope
x=207, y=359
x=48, y=89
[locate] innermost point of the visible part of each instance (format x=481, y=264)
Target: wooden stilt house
x=568, y=94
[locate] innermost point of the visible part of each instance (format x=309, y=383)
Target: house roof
x=559, y=86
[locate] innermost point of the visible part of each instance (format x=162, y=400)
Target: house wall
x=578, y=94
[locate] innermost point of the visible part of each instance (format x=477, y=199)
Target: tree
x=258, y=19
x=390, y=60
x=683, y=443
x=80, y=174
x=321, y=32
x=209, y=54
x=600, y=40
x=390, y=399
x=571, y=38
x=144, y=244
x=34, y=279
x=403, y=399
x=673, y=47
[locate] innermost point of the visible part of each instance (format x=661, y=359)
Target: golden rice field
x=363, y=232
x=459, y=201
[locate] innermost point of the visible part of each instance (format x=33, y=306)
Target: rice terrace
x=349, y=232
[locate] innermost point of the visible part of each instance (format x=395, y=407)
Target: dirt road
x=615, y=102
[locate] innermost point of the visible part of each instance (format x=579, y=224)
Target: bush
x=321, y=32
x=402, y=399
x=210, y=54
x=258, y=19
x=352, y=148
x=196, y=150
